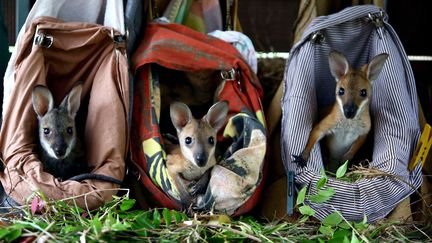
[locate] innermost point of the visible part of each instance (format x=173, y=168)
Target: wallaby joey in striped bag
x=189, y=162
x=347, y=125
x=60, y=149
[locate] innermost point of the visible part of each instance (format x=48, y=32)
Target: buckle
x=377, y=19
x=43, y=40
x=317, y=38
x=231, y=75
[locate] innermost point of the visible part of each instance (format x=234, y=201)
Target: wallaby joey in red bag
x=189, y=162
x=347, y=125
x=60, y=149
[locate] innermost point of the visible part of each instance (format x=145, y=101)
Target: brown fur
x=190, y=161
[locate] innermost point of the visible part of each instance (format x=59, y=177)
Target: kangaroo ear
x=339, y=65
x=42, y=100
x=375, y=66
x=180, y=115
x=217, y=114
x=72, y=100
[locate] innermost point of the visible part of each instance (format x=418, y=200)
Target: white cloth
x=242, y=43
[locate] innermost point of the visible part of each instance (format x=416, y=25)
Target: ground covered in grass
x=57, y=221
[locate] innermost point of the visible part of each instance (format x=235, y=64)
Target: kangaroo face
x=354, y=87
x=197, y=138
x=353, y=92
x=197, y=142
x=57, y=131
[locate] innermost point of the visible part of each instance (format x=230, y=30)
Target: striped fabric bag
x=360, y=32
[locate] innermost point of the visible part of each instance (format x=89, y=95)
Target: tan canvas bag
x=59, y=54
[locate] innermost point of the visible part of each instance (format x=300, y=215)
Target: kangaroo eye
x=363, y=93
x=46, y=131
x=341, y=91
x=211, y=140
x=188, y=140
x=69, y=130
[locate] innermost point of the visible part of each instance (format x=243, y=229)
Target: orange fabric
x=80, y=52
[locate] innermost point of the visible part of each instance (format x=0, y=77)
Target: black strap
x=90, y=176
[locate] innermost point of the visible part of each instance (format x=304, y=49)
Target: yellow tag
x=422, y=148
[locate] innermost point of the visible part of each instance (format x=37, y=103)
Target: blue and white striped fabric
x=309, y=87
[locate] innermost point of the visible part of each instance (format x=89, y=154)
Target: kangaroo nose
x=59, y=151
x=201, y=159
x=350, y=111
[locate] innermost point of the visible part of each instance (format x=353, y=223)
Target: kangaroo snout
x=350, y=110
x=201, y=159
x=59, y=149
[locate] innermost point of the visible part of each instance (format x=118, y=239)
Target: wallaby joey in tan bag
x=189, y=162
x=60, y=149
x=348, y=123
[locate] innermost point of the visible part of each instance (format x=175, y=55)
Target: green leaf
x=322, y=196
x=362, y=225
x=13, y=235
x=144, y=222
x=306, y=210
x=303, y=219
x=326, y=230
x=307, y=241
x=127, y=204
x=156, y=218
x=3, y=232
x=121, y=226
x=342, y=233
x=177, y=216
x=332, y=219
x=97, y=225
x=354, y=239
x=342, y=170
x=167, y=216
x=301, y=196
x=345, y=225
x=321, y=182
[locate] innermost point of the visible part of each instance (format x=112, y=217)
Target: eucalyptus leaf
x=3, y=232
x=127, y=204
x=301, y=196
x=97, y=225
x=322, y=196
x=144, y=222
x=342, y=233
x=156, y=218
x=177, y=216
x=332, y=219
x=342, y=170
x=321, y=182
x=345, y=225
x=306, y=210
x=13, y=235
x=326, y=230
x=167, y=216
x=354, y=239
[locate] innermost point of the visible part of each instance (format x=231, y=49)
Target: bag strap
x=90, y=176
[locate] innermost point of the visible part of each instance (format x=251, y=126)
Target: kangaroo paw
x=298, y=159
x=201, y=185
